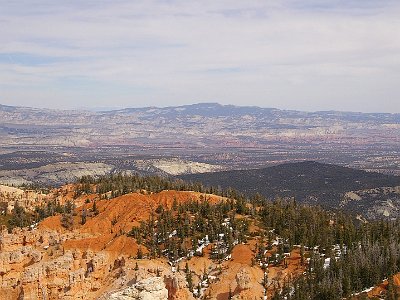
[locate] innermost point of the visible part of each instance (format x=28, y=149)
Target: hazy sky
x=305, y=55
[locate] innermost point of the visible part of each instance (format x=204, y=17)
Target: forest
x=343, y=255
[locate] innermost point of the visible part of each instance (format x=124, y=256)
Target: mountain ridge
x=199, y=105
x=308, y=182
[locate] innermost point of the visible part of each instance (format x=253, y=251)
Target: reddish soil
x=106, y=231
x=242, y=254
x=380, y=289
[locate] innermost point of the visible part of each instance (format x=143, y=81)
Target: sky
x=303, y=55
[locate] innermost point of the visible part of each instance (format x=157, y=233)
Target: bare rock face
x=172, y=284
x=177, y=287
x=44, y=261
x=128, y=293
x=152, y=288
x=33, y=262
x=27, y=199
x=243, y=279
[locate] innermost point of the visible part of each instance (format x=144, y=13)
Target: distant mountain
x=201, y=109
x=219, y=110
x=308, y=182
x=235, y=137
x=212, y=110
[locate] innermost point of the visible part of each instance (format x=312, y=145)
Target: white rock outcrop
x=243, y=279
x=152, y=288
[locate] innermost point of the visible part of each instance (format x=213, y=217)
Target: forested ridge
x=361, y=254
x=307, y=181
x=342, y=255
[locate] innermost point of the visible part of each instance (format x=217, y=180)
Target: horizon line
x=101, y=109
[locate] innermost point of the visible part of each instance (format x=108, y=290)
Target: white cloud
x=323, y=55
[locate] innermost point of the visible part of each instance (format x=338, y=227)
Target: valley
x=209, y=135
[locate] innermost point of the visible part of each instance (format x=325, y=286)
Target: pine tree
x=189, y=280
x=139, y=254
x=187, y=268
x=94, y=208
x=230, y=293
x=83, y=216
